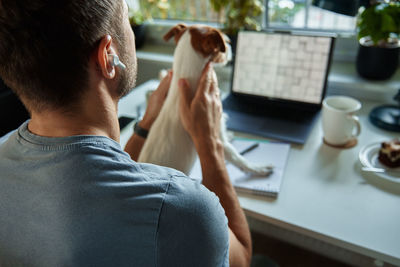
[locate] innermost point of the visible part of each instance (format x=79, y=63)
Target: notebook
x=266, y=153
x=278, y=84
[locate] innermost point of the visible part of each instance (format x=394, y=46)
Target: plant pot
x=377, y=63
x=233, y=42
x=140, y=34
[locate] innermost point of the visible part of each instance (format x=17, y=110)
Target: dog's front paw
x=259, y=170
x=230, y=135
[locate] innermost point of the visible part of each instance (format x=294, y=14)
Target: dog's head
x=206, y=40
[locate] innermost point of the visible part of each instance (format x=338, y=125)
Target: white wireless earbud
x=116, y=62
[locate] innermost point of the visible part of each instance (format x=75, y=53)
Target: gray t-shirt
x=82, y=201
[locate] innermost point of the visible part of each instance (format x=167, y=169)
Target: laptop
x=278, y=84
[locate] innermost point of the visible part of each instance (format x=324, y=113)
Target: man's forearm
x=136, y=142
x=134, y=146
x=216, y=179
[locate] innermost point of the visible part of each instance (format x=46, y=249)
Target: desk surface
x=324, y=194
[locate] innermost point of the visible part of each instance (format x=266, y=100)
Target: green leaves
x=135, y=17
x=239, y=14
x=380, y=22
x=217, y=5
x=388, y=23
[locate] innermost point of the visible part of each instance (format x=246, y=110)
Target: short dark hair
x=45, y=46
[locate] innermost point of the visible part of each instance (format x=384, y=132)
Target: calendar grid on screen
x=284, y=66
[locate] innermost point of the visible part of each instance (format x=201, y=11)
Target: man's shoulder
x=5, y=137
x=156, y=170
x=189, y=189
x=189, y=197
x=193, y=228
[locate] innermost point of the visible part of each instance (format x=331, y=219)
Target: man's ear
x=176, y=32
x=104, y=50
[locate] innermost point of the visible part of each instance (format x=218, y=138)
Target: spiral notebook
x=265, y=153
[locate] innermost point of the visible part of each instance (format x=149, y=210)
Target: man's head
x=46, y=47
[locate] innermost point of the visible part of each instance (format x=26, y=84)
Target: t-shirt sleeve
x=193, y=228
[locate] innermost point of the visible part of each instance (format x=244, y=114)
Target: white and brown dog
x=168, y=144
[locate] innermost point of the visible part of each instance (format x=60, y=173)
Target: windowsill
x=343, y=77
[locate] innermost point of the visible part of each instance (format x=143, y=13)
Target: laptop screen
x=282, y=66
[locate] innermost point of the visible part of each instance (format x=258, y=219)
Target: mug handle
x=356, y=121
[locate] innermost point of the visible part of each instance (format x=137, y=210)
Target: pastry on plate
x=389, y=153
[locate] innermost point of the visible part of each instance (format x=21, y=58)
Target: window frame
x=308, y=4
x=265, y=23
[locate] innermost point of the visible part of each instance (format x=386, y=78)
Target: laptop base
x=285, y=124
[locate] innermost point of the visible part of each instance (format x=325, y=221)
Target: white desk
x=326, y=203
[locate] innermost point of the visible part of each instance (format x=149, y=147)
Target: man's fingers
x=214, y=82
x=205, y=79
x=206, y=69
x=186, y=95
x=164, y=85
x=168, y=80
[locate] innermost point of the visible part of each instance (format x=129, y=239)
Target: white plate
x=369, y=158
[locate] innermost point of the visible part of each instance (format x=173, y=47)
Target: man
x=69, y=196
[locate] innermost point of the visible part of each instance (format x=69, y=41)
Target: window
x=279, y=14
x=300, y=14
x=189, y=10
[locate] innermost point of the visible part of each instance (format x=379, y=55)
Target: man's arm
x=136, y=142
x=192, y=228
x=201, y=116
x=157, y=98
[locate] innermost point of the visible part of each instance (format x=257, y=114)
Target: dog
x=168, y=144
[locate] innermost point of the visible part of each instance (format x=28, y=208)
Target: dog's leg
x=234, y=157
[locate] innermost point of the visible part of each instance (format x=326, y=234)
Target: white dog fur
x=168, y=144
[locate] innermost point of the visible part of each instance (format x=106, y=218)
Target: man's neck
x=94, y=118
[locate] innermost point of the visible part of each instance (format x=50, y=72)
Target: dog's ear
x=209, y=42
x=214, y=42
x=176, y=32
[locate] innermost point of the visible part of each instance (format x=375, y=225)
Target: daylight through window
x=279, y=14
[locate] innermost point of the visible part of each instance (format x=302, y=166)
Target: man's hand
x=156, y=102
x=201, y=118
x=201, y=114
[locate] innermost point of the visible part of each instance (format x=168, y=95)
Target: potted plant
x=144, y=12
x=239, y=15
x=136, y=19
x=379, y=47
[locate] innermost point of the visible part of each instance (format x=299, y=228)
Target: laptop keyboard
x=267, y=120
x=255, y=109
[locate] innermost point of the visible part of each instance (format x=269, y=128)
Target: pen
x=250, y=148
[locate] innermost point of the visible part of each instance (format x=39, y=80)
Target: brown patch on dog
x=208, y=41
x=176, y=32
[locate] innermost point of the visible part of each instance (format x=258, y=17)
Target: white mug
x=339, y=123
